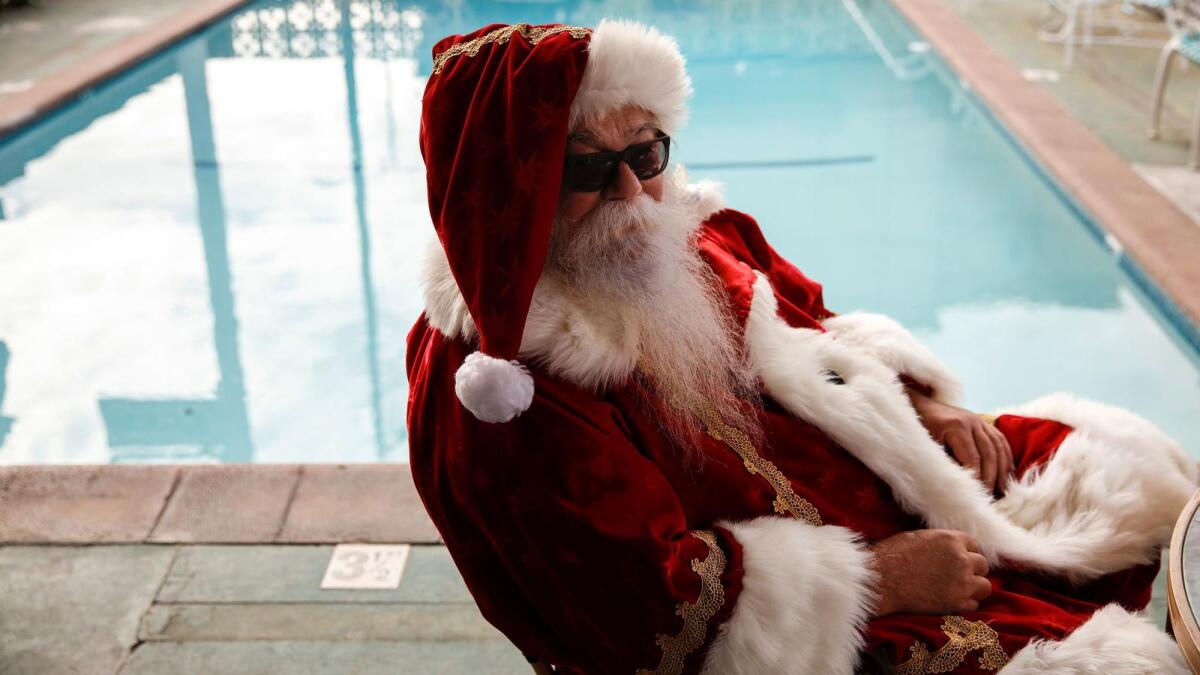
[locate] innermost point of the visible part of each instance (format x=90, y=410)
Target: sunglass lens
x=590, y=174
x=647, y=161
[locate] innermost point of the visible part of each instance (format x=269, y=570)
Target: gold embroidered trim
x=786, y=499
x=990, y=419
x=965, y=637
x=502, y=35
x=696, y=614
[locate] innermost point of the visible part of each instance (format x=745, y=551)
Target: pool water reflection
x=214, y=257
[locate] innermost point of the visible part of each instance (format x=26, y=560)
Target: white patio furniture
x=1183, y=18
x=1079, y=22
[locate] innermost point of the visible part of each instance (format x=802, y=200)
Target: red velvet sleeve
x=734, y=245
x=572, y=542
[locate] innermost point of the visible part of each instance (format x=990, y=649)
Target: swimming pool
x=213, y=257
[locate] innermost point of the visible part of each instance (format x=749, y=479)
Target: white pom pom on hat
x=494, y=390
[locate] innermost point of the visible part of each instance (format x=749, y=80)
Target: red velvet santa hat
x=494, y=123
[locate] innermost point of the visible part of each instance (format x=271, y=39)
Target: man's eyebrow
x=590, y=138
x=647, y=125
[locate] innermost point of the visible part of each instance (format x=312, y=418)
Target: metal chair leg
x=1195, y=161
x=1165, y=59
x=1069, y=28
x=1089, y=23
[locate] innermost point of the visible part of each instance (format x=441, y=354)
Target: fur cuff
x=889, y=342
x=1112, y=641
x=806, y=597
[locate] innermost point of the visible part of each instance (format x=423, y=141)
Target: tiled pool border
x=1155, y=243
x=212, y=504
x=310, y=504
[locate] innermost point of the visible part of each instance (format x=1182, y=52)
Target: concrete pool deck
x=1109, y=88
x=234, y=610
x=53, y=52
x=131, y=567
x=158, y=570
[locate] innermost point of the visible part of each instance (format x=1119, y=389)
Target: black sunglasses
x=595, y=171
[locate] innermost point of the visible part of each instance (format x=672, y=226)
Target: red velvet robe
x=580, y=530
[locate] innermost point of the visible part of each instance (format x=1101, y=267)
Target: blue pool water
x=213, y=257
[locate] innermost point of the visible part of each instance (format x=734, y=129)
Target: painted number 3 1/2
x=365, y=566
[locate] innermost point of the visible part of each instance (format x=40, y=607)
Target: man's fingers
x=979, y=564
x=983, y=588
x=970, y=543
x=1004, y=473
x=987, y=456
x=964, y=450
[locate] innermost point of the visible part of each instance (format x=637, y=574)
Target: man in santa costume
x=650, y=448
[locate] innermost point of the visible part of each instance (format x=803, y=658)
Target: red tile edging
x=212, y=504
x=1152, y=231
x=21, y=108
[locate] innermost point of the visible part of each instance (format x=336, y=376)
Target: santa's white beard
x=636, y=262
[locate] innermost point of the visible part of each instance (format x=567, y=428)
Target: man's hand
x=930, y=572
x=977, y=445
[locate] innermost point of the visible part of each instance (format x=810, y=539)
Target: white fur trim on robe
x=888, y=341
x=1114, y=463
x=806, y=597
x=1112, y=642
x=871, y=417
x=705, y=198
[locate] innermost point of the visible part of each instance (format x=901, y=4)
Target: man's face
x=614, y=132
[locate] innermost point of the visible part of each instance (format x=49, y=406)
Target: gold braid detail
x=696, y=614
x=965, y=637
x=534, y=34
x=786, y=499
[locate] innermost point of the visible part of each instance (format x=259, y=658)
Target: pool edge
x=1153, y=239
x=24, y=108
x=211, y=504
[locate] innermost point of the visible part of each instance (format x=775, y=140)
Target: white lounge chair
x=1183, y=18
x=1079, y=21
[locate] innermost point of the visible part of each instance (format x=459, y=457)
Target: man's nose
x=626, y=185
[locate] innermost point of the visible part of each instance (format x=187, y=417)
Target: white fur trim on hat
x=631, y=63
x=494, y=390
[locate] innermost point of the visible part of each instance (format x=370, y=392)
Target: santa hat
x=494, y=123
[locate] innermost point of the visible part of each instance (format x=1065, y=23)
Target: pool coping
x=1155, y=242
x=19, y=109
x=212, y=504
